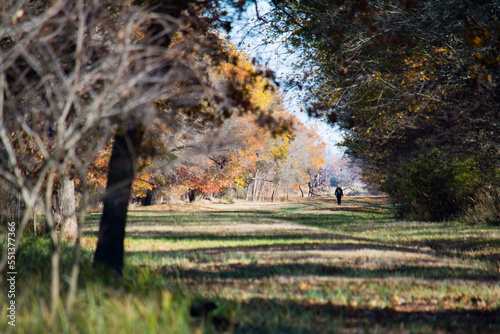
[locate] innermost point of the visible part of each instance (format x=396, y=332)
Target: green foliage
x=431, y=188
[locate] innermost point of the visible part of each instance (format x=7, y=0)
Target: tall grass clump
x=138, y=303
x=486, y=208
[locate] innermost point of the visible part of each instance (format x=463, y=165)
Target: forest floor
x=311, y=266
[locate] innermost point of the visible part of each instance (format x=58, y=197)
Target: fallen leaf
x=303, y=286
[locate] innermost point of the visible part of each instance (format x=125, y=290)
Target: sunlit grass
x=102, y=310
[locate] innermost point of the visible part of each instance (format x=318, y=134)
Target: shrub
x=432, y=189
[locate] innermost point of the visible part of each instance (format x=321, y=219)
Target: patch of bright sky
x=248, y=36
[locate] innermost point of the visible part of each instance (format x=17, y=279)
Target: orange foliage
x=97, y=174
x=288, y=156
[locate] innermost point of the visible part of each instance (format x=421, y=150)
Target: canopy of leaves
x=414, y=85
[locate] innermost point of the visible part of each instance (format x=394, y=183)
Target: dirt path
x=238, y=205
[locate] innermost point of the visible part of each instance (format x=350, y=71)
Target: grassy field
x=300, y=267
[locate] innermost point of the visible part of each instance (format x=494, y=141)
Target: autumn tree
x=306, y=161
x=154, y=146
x=242, y=155
x=58, y=90
x=204, y=155
x=215, y=159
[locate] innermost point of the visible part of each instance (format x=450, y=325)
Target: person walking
x=339, y=193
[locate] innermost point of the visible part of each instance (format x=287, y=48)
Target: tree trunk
x=148, y=200
x=255, y=185
x=274, y=194
x=261, y=191
x=192, y=195
x=64, y=209
x=122, y=168
x=256, y=190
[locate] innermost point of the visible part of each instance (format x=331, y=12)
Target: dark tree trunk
x=274, y=195
x=122, y=168
x=302, y=192
x=192, y=195
x=148, y=200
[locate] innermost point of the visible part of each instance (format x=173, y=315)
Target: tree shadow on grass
x=294, y=241
x=330, y=222
x=223, y=237
x=349, y=208
x=274, y=232
x=258, y=271
x=289, y=214
x=452, y=247
x=306, y=225
x=446, y=244
x=468, y=249
x=304, y=259
x=277, y=316
x=177, y=218
x=317, y=246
